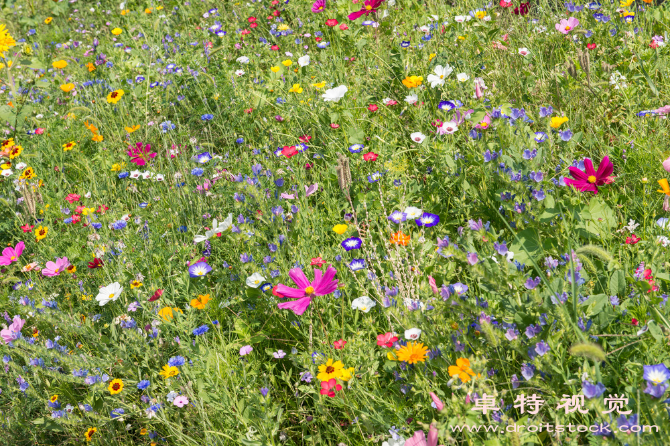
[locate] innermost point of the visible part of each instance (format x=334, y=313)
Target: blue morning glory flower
x=352, y=243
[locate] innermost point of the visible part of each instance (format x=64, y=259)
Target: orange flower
x=67, y=87
x=132, y=129
x=90, y=67
x=461, y=369
x=400, y=239
x=200, y=302
x=167, y=314
x=91, y=127
x=97, y=138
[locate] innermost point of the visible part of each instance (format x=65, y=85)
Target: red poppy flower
x=318, y=262
x=339, y=345
x=251, y=19
x=635, y=322
x=276, y=13
x=370, y=156
x=633, y=239
x=318, y=39
x=653, y=44
x=331, y=22
x=96, y=263
x=305, y=138
x=344, y=27
x=289, y=151
x=76, y=219
x=373, y=107
x=591, y=46
x=329, y=387
x=253, y=25
x=71, y=198
x=274, y=47
x=157, y=295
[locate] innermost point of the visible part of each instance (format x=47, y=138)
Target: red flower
x=370, y=156
x=653, y=44
x=633, y=239
x=634, y=322
x=157, y=295
x=27, y=228
x=331, y=22
x=248, y=110
x=76, y=219
x=522, y=9
x=251, y=19
x=390, y=102
x=71, y=198
x=305, y=138
x=329, y=387
x=79, y=209
x=373, y=107
x=274, y=47
x=275, y=292
x=276, y=13
x=96, y=263
x=244, y=32
x=339, y=345
x=318, y=262
x=253, y=25
x=102, y=209
x=308, y=166
x=289, y=151
x=505, y=4
x=386, y=339
x=589, y=180
x=591, y=46
x=334, y=126
x=318, y=39
x=344, y=27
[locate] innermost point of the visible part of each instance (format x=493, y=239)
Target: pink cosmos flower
x=419, y=438
x=565, y=26
x=55, y=268
x=666, y=166
x=484, y=123
x=589, y=180
x=322, y=285
x=318, y=6
x=140, y=155
x=368, y=7
x=10, y=255
x=180, y=401
x=13, y=332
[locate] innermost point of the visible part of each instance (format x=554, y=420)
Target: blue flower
x=116, y=413
x=427, y=220
x=357, y=264
x=592, y=390
x=565, y=135
x=166, y=126
x=404, y=43
x=143, y=384
x=352, y=243
x=540, y=137
x=446, y=105
x=176, y=361
x=373, y=178
x=123, y=175
x=239, y=140
x=197, y=172
x=200, y=330
x=356, y=148
x=207, y=117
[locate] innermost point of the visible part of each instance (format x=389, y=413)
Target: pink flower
x=140, y=155
x=10, y=255
x=419, y=438
x=666, y=165
x=329, y=387
x=318, y=6
x=39, y=130
x=485, y=123
x=368, y=7
x=438, y=402
x=71, y=198
x=565, y=26
x=246, y=350
x=589, y=180
x=322, y=285
x=433, y=285
x=386, y=339
x=317, y=261
x=180, y=401
x=339, y=345
x=13, y=332
x=55, y=268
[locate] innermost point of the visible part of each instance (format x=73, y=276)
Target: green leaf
x=361, y=43
x=527, y=240
x=596, y=303
x=618, y=283
x=655, y=330
x=356, y=135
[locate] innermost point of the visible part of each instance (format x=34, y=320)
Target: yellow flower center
x=309, y=290
x=111, y=296
x=591, y=179
x=368, y=7
x=56, y=270
x=567, y=28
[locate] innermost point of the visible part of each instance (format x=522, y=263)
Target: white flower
x=303, y=61
x=21, y=166
x=243, y=59
x=255, y=280
x=441, y=73
x=387, y=101
x=411, y=99
x=524, y=51
x=159, y=177
x=135, y=174
x=7, y=172
x=663, y=241
x=663, y=223
x=216, y=228
x=109, y=293
x=417, y=137
x=239, y=72
x=413, y=213
x=448, y=127
x=412, y=334
x=462, y=18
x=335, y=94
x=462, y=77
x=424, y=29
x=400, y=441
x=146, y=175
x=363, y=303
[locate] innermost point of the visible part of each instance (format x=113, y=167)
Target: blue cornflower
x=207, y=117
x=143, y=384
x=201, y=330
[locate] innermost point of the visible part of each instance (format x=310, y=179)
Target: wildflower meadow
x=334, y=222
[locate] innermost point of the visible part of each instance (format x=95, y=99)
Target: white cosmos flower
x=524, y=51
x=413, y=213
x=216, y=228
x=441, y=74
x=363, y=303
x=411, y=99
x=335, y=94
x=109, y=293
x=255, y=280
x=412, y=334
x=448, y=128
x=462, y=77
x=303, y=61
x=239, y=72
x=243, y=59
x=417, y=137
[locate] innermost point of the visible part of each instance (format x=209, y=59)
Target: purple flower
x=546, y=111
x=565, y=135
x=472, y=258
x=306, y=377
x=427, y=220
x=514, y=381
x=656, y=374
x=199, y=269
x=542, y=348
x=512, y=334
x=397, y=217
x=264, y=391
x=475, y=225
x=246, y=350
x=528, y=371
x=533, y=330
x=278, y=355
x=625, y=424
x=352, y=243
x=318, y=6
x=657, y=391
x=532, y=283
x=592, y=390
x=501, y=248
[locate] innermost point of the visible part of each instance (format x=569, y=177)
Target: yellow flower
x=461, y=369
x=340, y=229
x=54, y=398
x=319, y=85
x=143, y=431
x=330, y=370
x=287, y=63
x=462, y=37
x=114, y=96
x=7, y=143
x=41, y=232
x=412, y=81
x=69, y=146
x=89, y=433
x=59, y=64
x=200, y=302
x=133, y=128
x=432, y=56
x=6, y=39
x=135, y=284
x=147, y=11
x=169, y=371
x=480, y=14
x=347, y=374
x=27, y=174
x=275, y=69
x=391, y=356
x=558, y=121
x=67, y=87
x=15, y=151
x=117, y=31
x=116, y=386
x=167, y=313
x=624, y=3
x=295, y=89
x=9, y=64
x=282, y=27
x=48, y=20
x=97, y=138
x=413, y=352
x=71, y=269
x=125, y=11
x=117, y=167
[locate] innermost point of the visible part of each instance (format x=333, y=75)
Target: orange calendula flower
x=67, y=87
x=91, y=127
x=116, y=386
x=413, y=352
x=90, y=432
x=400, y=239
x=133, y=128
x=90, y=66
x=117, y=31
x=664, y=186
x=114, y=96
x=167, y=313
x=59, y=64
x=461, y=369
x=97, y=138
x=412, y=81
x=200, y=302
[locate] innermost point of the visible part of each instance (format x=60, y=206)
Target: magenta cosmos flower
x=10, y=255
x=140, y=155
x=319, y=6
x=368, y=7
x=589, y=180
x=565, y=26
x=322, y=285
x=55, y=268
